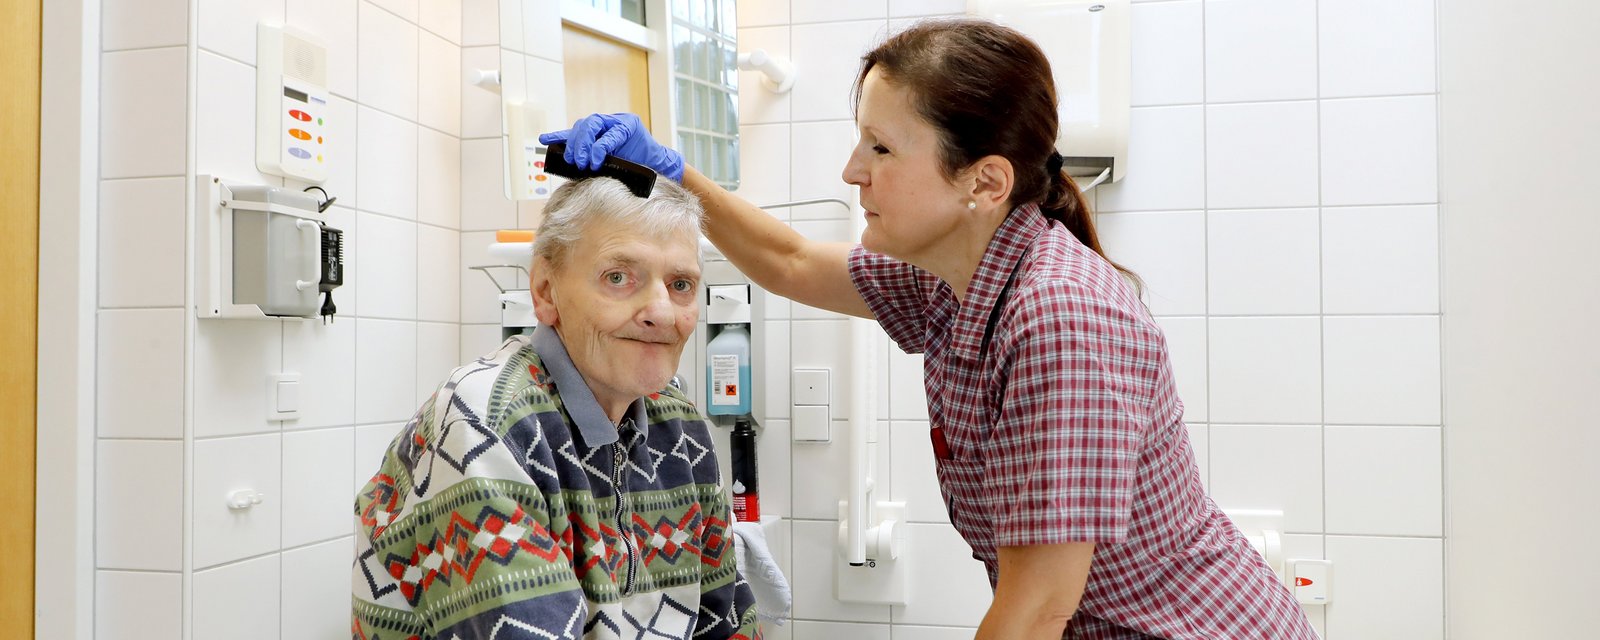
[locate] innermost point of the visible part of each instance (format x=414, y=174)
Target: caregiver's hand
x=623, y=135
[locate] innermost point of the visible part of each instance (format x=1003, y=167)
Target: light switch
x=810, y=387
x=283, y=389
x=811, y=423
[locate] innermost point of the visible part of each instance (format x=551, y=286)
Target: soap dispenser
x=728, y=376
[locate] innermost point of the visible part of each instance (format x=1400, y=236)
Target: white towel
x=773, y=597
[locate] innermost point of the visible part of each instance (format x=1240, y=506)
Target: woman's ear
x=542, y=287
x=992, y=180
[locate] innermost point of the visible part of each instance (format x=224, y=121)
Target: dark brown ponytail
x=987, y=90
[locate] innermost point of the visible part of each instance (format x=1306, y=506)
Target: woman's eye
x=616, y=278
x=880, y=149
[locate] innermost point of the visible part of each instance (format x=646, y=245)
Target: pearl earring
x=971, y=204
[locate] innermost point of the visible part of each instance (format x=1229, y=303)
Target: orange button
x=319, y=139
x=299, y=135
x=540, y=178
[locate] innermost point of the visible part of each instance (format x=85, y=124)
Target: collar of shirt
x=593, y=425
x=1019, y=231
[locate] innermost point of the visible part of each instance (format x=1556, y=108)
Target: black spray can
x=746, y=486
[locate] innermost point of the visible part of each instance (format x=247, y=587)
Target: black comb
x=639, y=179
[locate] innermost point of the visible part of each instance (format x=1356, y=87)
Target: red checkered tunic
x=1067, y=428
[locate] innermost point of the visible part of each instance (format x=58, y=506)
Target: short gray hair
x=576, y=205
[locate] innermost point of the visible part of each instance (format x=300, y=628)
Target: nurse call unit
x=291, y=104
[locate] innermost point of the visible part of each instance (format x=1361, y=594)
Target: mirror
x=685, y=89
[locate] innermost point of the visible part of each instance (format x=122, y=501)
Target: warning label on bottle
x=725, y=380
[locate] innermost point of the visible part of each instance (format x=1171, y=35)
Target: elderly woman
x=558, y=487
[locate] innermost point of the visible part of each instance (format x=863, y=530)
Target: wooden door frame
x=69, y=175
x=19, y=280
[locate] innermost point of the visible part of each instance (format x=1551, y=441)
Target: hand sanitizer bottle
x=728, y=372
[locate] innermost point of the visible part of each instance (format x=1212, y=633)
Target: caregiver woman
x=1062, y=453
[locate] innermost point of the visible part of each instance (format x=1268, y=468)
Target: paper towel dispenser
x=1090, y=55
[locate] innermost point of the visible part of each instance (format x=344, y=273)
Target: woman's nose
x=854, y=171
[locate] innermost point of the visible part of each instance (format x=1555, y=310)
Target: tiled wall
x=1281, y=206
x=280, y=569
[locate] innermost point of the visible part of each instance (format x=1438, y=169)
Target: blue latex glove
x=596, y=136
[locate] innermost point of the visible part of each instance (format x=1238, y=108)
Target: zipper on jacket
x=618, y=461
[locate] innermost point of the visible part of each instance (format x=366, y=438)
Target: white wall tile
x=139, y=374
x=830, y=56
x=324, y=354
x=313, y=463
x=343, y=135
x=823, y=470
x=1380, y=259
x=484, y=206
x=480, y=22
x=911, y=632
x=1200, y=442
x=1376, y=47
x=959, y=594
x=764, y=165
x=1167, y=250
x=542, y=29
x=761, y=13
x=228, y=601
x=232, y=361
x=223, y=466
x=510, y=24
x=438, y=178
x=371, y=443
x=388, y=62
x=438, y=346
x=386, y=174
x=837, y=10
x=478, y=339
x=228, y=27
x=1186, y=346
x=914, y=479
x=908, y=395
x=225, y=126
x=438, y=261
x=1380, y=151
x=139, y=505
x=775, y=377
x=820, y=152
x=1383, y=370
x=1168, y=53
x=144, y=116
x=811, y=630
x=1261, y=155
x=406, y=9
x=812, y=580
x=1166, y=162
x=1384, y=480
x=1263, y=262
x=480, y=108
x=1265, y=370
x=388, y=266
x=905, y=8
x=1260, y=50
x=138, y=606
x=825, y=344
x=480, y=302
x=439, y=86
x=1269, y=467
x=758, y=105
x=1387, y=588
x=316, y=586
x=386, y=370
x=143, y=24
x=334, y=22
x=442, y=18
